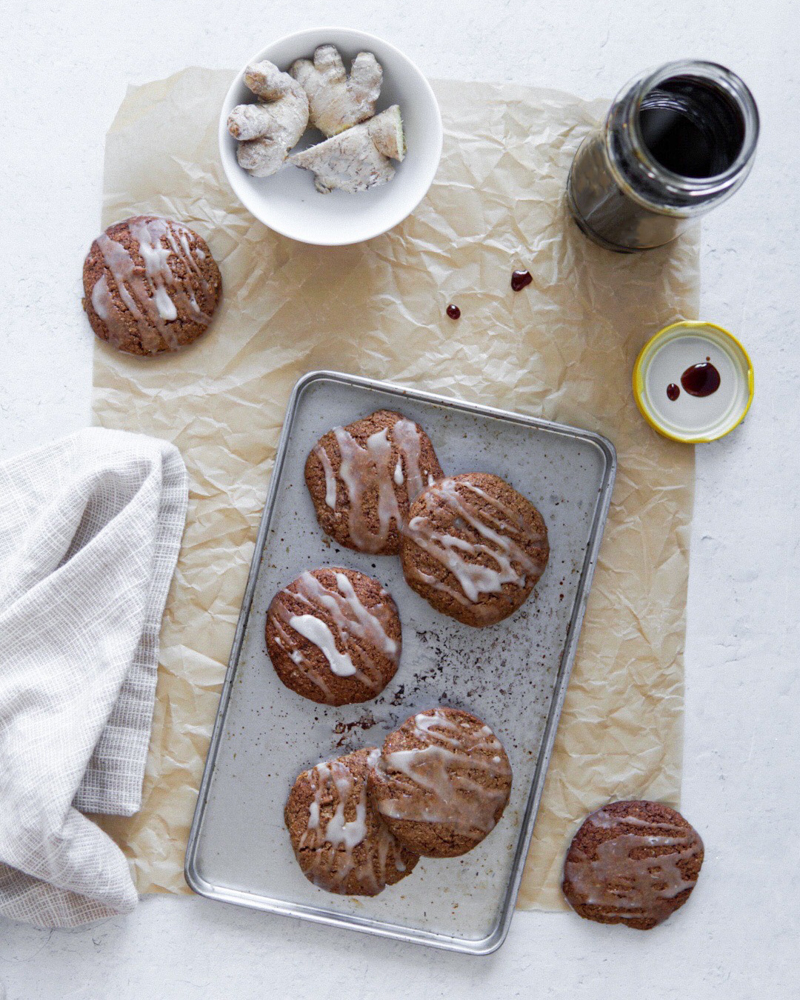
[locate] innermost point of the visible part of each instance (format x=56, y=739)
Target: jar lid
x=693, y=382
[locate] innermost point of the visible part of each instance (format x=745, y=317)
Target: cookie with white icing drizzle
x=441, y=782
x=340, y=842
x=474, y=548
x=632, y=863
x=363, y=478
x=150, y=285
x=334, y=636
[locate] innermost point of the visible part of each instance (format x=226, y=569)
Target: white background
x=65, y=67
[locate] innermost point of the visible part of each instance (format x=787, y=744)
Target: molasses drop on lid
x=693, y=382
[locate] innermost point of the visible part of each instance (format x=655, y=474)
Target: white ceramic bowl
x=288, y=203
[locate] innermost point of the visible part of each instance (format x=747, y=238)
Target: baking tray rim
x=481, y=946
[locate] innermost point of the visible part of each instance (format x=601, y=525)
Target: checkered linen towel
x=90, y=529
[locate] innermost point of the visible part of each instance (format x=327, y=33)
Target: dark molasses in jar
x=676, y=143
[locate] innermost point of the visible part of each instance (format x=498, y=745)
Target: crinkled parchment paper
x=562, y=349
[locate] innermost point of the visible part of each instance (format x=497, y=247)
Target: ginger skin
x=337, y=101
x=269, y=129
x=359, y=158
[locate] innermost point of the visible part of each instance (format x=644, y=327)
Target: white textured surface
x=65, y=70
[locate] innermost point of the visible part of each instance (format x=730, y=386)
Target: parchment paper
x=563, y=349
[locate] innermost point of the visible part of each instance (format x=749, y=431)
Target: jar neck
x=650, y=182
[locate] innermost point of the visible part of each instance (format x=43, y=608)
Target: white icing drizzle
x=101, y=299
x=338, y=831
x=406, y=436
x=367, y=471
x=362, y=470
x=334, y=619
x=156, y=266
x=316, y=631
x=633, y=887
x=499, y=531
x=369, y=625
x=335, y=840
x=154, y=295
x=330, y=478
x=443, y=770
x=457, y=595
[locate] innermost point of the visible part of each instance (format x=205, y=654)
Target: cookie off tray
x=513, y=675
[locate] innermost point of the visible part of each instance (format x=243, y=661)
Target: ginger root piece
x=268, y=130
x=337, y=102
x=359, y=158
x=386, y=131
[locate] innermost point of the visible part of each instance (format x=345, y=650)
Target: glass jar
x=677, y=142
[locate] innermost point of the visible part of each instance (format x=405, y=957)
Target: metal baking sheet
x=514, y=675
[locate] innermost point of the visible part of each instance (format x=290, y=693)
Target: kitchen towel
x=90, y=529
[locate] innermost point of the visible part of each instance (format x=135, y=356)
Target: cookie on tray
x=150, y=285
x=441, y=782
x=474, y=548
x=334, y=636
x=632, y=863
x=363, y=477
x=340, y=842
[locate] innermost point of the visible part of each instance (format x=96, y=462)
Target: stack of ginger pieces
x=359, y=145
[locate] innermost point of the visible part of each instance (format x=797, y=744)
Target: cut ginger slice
x=359, y=158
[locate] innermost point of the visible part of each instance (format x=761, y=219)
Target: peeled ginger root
x=268, y=130
x=338, y=102
x=359, y=158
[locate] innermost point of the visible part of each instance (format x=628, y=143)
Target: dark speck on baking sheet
x=345, y=730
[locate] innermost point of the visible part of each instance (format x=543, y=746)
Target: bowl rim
x=359, y=37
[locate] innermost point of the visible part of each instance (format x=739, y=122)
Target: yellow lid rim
x=638, y=380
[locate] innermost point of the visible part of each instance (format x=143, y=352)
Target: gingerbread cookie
x=150, y=285
x=474, y=548
x=632, y=863
x=339, y=840
x=441, y=782
x=334, y=636
x=362, y=479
